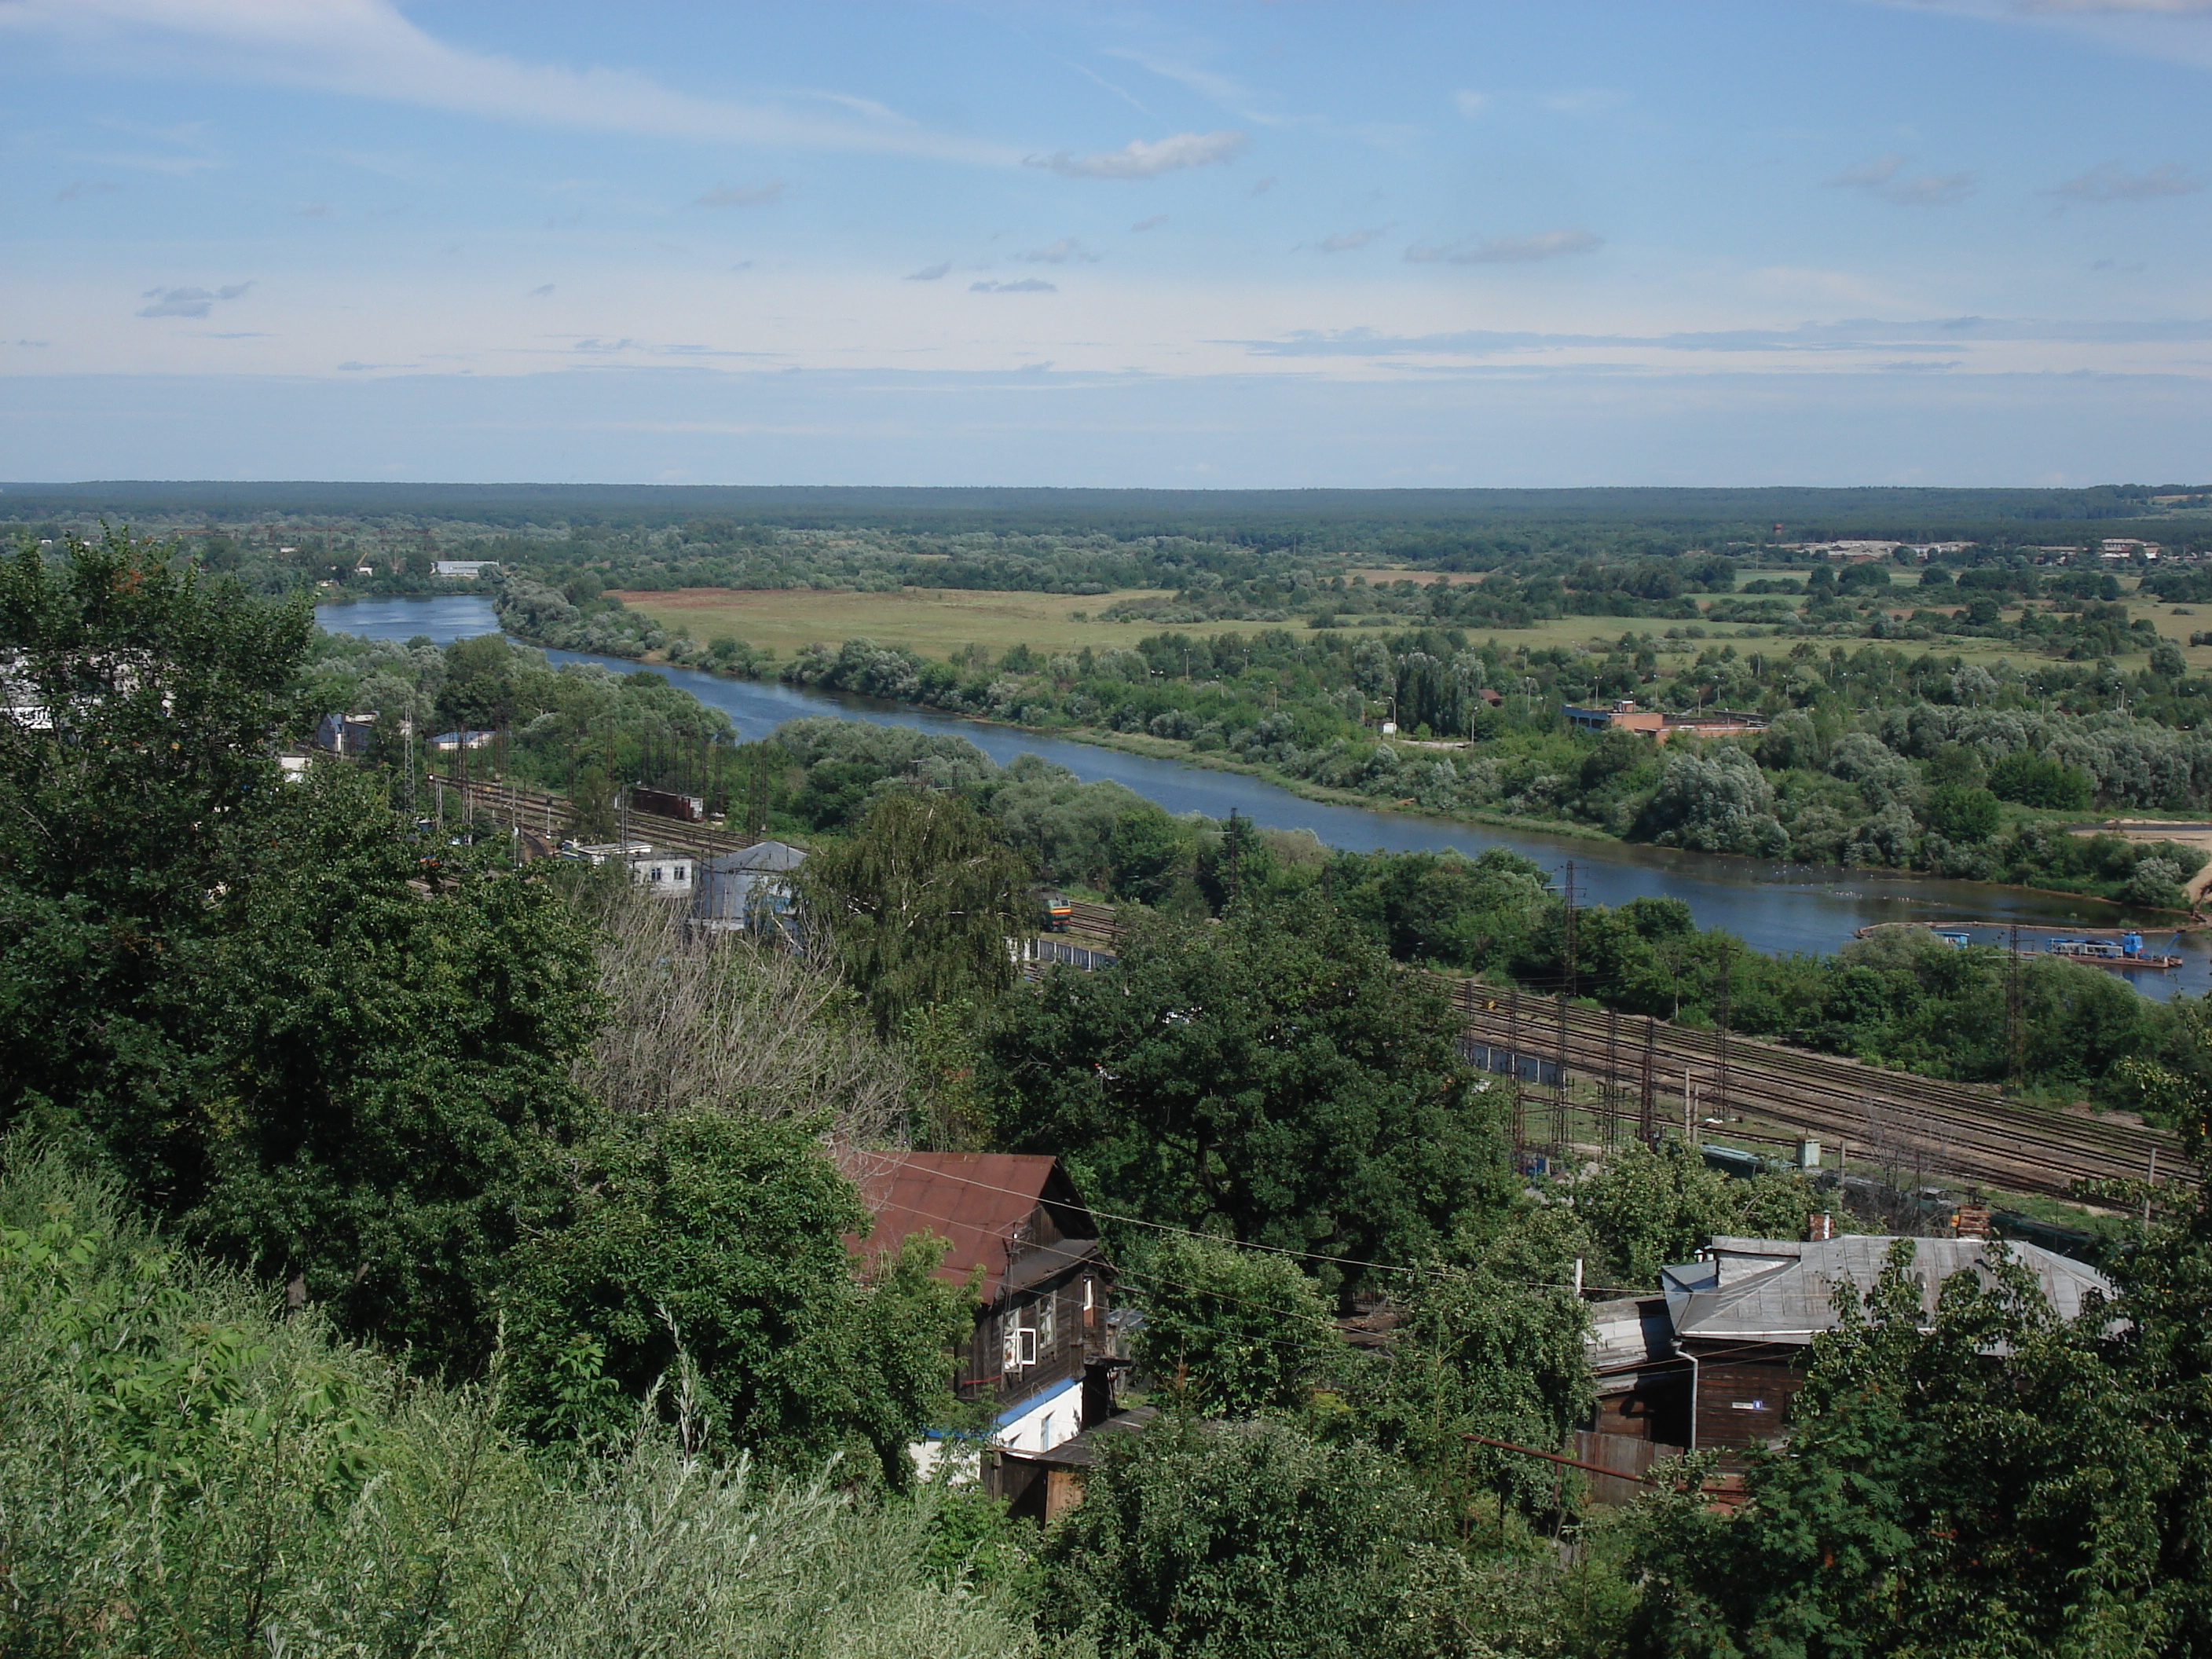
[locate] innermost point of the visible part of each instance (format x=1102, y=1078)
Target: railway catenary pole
x=1647, y=1105
x=2015, y=1065
x=1721, y=1032
x=1556, y=1142
x=1513, y=1065
x=1612, y=1075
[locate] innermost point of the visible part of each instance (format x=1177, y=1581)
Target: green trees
x=721, y=1239
x=917, y=905
x=1236, y=1332
x=1650, y=1207
x=1243, y=1538
x=1985, y=1486
x=2035, y=779
x=1271, y=1076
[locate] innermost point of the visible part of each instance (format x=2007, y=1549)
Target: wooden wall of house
x=1073, y=1338
x=1656, y=1408
x=1743, y=1395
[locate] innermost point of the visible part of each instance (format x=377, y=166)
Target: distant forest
x=1414, y=524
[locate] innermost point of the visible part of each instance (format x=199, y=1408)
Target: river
x=1776, y=907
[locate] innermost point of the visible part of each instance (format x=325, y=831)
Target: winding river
x=1778, y=908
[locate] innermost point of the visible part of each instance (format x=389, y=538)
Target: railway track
x=1941, y=1131
x=1956, y=1132
x=550, y=816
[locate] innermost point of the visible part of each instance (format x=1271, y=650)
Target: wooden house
x=1713, y=1361
x=1042, y=1352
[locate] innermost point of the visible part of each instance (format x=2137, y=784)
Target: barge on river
x=2121, y=949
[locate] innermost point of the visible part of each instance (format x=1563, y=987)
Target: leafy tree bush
x=917, y=904
x=1231, y=1540
x=1976, y=1484
x=2040, y=781
x=1231, y=1332
x=721, y=1239
x=238, y=991
x=1648, y=1208
x=1272, y=1077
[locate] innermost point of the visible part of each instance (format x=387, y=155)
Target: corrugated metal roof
x=981, y=1201
x=1765, y=1289
x=1626, y=1335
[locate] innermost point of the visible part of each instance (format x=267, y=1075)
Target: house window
x=679, y=872
x=656, y=873
x=1047, y=1324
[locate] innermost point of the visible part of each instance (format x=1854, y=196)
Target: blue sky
x=1825, y=242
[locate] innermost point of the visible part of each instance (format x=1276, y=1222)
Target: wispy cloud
x=188, y=302
x=1226, y=90
x=1470, y=103
x=1027, y=285
x=312, y=211
x=723, y=196
x=540, y=292
x=1265, y=185
x=1884, y=176
x=1148, y=158
x=1344, y=240
x=1510, y=250
x=81, y=187
x=2110, y=182
x=1065, y=252
x=371, y=49
x=1152, y=224
x=1926, y=335
x=1092, y=75
x=929, y=273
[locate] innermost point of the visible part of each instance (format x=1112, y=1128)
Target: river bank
x=1778, y=908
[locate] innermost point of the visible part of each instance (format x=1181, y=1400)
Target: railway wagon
x=667, y=804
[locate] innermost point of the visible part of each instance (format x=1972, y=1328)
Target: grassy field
x=940, y=622
x=935, y=621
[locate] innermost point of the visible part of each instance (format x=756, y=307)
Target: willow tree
x=916, y=906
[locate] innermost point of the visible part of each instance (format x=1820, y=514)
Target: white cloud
x=1510, y=250
x=1870, y=175
x=371, y=49
x=742, y=195
x=2110, y=182
x=1344, y=240
x=1884, y=176
x=188, y=302
x=86, y=187
x=929, y=273
x=1147, y=159
x=1027, y=285
x=1470, y=103
x=1066, y=251
x=1152, y=224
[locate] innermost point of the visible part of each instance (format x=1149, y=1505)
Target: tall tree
x=917, y=904
x=1272, y=1076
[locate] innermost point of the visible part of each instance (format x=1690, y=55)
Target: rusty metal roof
x=983, y=1202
